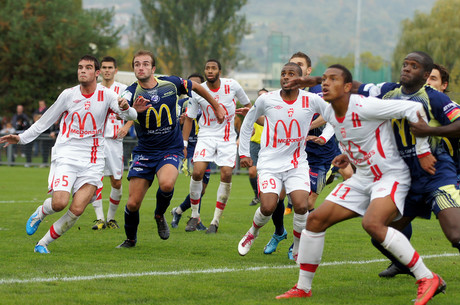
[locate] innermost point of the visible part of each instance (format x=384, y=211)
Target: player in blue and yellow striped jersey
x=160, y=143
x=438, y=192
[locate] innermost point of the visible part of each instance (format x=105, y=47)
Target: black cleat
x=163, y=229
x=212, y=229
x=128, y=243
x=394, y=270
x=192, y=224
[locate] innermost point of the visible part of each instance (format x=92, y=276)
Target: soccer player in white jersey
x=282, y=157
x=216, y=142
x=378, y=188
x=78, y=156
x=115, y=131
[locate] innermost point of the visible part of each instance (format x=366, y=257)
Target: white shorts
x=67, y=174
x=357, y=192
x=214, y=150
x=293, y=180
x=113, y=151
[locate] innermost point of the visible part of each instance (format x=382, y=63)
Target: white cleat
x=245, y=243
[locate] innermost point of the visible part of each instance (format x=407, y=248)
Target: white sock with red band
x=298, y=224
x=310, y=252
x=258, y=222
x=195, y=194
x=401, y=248
x=58, y=228
x=223, y=192
x=115, y=197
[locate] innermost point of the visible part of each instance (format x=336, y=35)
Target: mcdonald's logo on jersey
x=82, y=131
x=158, y=115
x=288, y=132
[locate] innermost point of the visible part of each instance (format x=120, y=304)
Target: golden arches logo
x=158, y=115
x=287, y=131
x=81, y=124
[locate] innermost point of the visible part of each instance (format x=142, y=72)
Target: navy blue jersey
x=158, y=128
x=193, y=137
x=440, y=110
x=318, y=155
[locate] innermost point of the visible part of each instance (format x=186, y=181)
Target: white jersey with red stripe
x=225, y=96
x=365, y=133
x=113, y=123
x=286, y=127
x=82, y=122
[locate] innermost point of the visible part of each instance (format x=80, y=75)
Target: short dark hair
x=347, y=77
x=93, y=59
x=296, y=66
x=302, y=55
x=216, y=61
x=196, y=75
x=427, y=62
x=144, y=52
x=444, y=74
x=263, y=89
x=109, y=59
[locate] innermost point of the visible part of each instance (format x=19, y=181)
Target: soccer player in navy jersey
x=192, y=139
x=438, y=192
x=438, y=79
x=160, y=143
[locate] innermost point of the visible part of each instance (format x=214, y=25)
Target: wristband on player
x=185, y=143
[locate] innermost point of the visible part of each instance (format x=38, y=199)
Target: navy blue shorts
x=146, y=166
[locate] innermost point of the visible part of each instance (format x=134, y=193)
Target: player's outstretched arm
x=422, y=129
x=9, y=139
x=218, y=110
x=304, y=81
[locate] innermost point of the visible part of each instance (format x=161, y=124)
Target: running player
x=160, y=144
x=216, y=143
x=115, y=131
x=282, y=157
x=78, y=155
x=378, y=188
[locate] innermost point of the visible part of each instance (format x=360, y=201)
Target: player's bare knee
x=315, y=223
x=133, y=205
x=266, y=211
x=117, y=184
x=374, y=229
x=59, y=205
x=197, y=176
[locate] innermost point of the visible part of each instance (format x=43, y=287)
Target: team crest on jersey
x=87, y=104
x=343, y=132
x=155, y=98
x=216, y=97
x=56, y=182
x=290, y=112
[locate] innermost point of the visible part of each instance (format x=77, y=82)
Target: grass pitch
x=193, y=268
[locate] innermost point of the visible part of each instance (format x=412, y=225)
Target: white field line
x=182, y=272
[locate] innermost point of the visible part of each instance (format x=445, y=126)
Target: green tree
x=437, y=34
x=40, y=44
x=183, y=34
